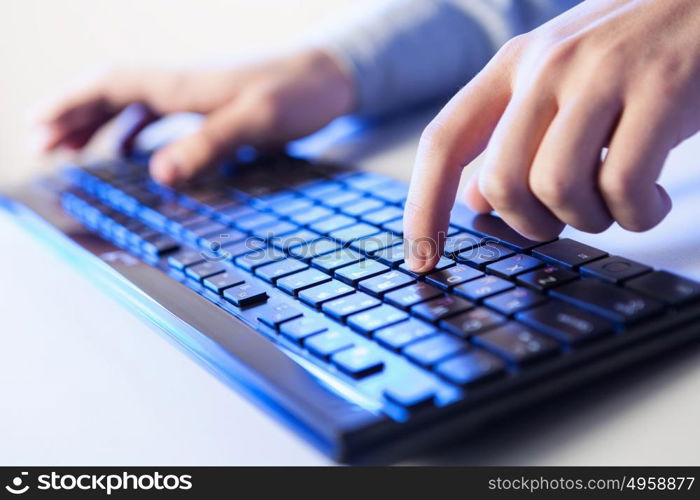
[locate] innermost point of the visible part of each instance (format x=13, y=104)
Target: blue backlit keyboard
x=311, y=257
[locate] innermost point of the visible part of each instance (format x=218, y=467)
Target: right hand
x=262, y=105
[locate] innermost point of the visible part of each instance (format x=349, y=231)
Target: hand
x=263, y=105
x=608, y=73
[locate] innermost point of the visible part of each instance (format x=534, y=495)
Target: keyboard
x=288, y=279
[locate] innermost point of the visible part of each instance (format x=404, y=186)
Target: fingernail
x=419, y=255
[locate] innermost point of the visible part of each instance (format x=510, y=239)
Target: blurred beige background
x=46, y=42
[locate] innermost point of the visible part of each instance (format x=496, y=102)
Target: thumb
x=221, y=133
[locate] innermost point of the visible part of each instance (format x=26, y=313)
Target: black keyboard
x=311, y=256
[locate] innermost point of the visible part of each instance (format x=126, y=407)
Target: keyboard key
x=274, y=231
x=615, y=303
x=460, y=242
x=214, y=242
x=546, y=277
x=345, y=306
x=472, y=322
x=273, y=314
x=379, y=285
x=230, y=215
x=484, y=254
x=276, y=270
x=292, y=240
x=338, y=199
x=361, y=207
x=386, y=214
x=390, y=256
x=313, y=214
x=220, y=282
x=324, y=345
x=245, y=295
x=317, y=295
x=366, y=181
x=400, y=335
x=490, y=226
x=294, y=283
x=358, y=361
x=379, y=317
x=568, y=253
x=412, y=294
x=334, y=260
x=566, y=323
x=376, y=242
x=614, y=269
x=250, y=222
x=394, y=226
x=666, y=287
x=301, y=328
x=432, y=350
x=251, y=261
x=411, y=392
x=515, y=300
x=293, y=206
x=233, y=250
x=177, y=228
x=185, y=257
x=512, y=266
x=159, y=245
x=391, y=192
x=471, y=368
x=367, y=268
x=207, y=228
x=516, y=343
x=268, y=201
x=154, y=217
x=334, y=223
x=354, y=232
x=199, y=272
x=317, y=190
x=314, y=249
x=436, y=309
x=481, y=288
x=452, y=276
x=441, y=264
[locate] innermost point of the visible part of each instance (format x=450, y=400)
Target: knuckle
x=610, y=55
x=557, y=55
x=616, y=186
x=503, y=196
x=513, y=48
x=555, y=191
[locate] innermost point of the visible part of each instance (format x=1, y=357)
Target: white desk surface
x=84, y=382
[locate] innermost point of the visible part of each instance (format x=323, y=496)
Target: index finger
x=457, y=135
